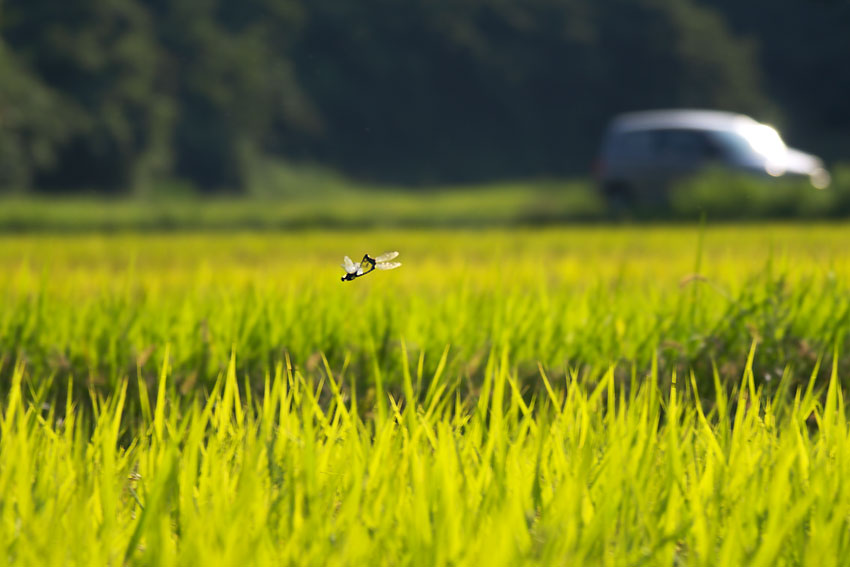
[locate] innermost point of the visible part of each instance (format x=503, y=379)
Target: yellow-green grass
x=579, y=474
x=99, y=308
x=605, y=395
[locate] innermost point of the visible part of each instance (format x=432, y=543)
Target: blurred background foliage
x=329, y=201
x=146, y=96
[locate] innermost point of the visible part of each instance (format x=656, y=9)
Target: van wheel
x=620, y=197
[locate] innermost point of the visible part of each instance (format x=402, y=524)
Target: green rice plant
x=97, y=308
x=597, y=395
x=595, y=472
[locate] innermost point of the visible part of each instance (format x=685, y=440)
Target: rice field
x=597, y=395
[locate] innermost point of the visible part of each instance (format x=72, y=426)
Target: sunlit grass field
x=596, y=395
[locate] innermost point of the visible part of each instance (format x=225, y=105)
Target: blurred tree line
x=114, y=95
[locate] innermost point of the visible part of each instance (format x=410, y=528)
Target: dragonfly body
x=368, y=264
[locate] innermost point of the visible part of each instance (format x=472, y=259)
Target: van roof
x=680, y=118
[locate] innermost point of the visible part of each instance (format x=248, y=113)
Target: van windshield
x=757, y=140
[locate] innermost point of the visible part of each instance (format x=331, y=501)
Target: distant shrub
x=840, y=188
x=724, y=195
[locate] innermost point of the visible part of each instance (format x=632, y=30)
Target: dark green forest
x=113, y=95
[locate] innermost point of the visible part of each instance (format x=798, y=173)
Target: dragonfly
x=368, y=264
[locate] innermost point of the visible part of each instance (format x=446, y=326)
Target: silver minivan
x=644, y=152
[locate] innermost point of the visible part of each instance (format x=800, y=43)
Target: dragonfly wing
x=386, y=256
x=367, y=264
x=387, y=265
x=349, y=266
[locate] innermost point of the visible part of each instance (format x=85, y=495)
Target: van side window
x=632, y=146
x=685, y=146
